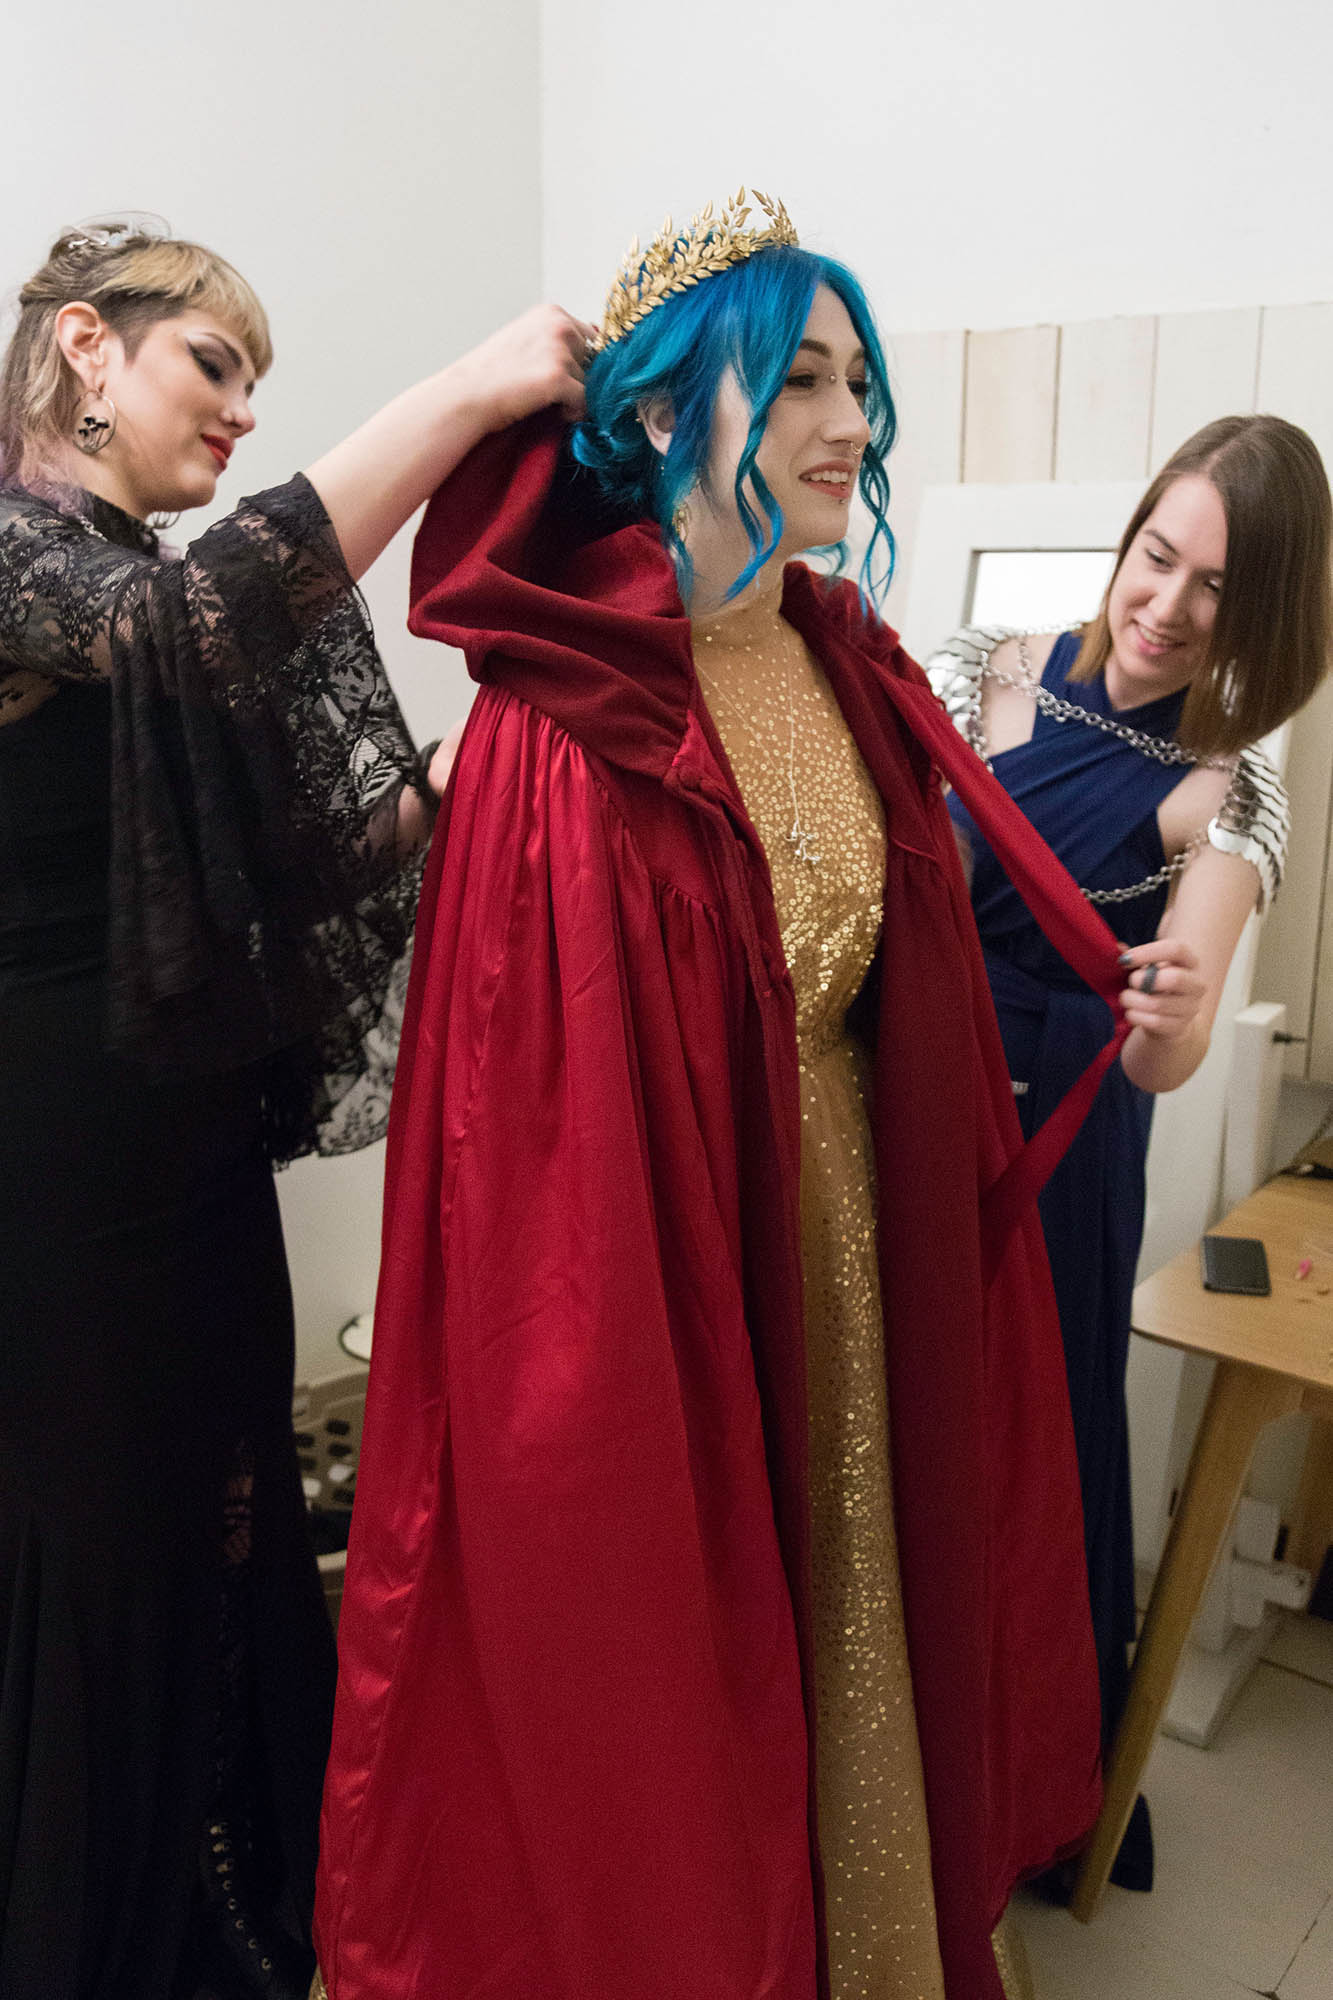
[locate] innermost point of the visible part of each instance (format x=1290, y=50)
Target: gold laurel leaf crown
x=679, y=258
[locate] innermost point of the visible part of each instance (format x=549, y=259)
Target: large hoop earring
x=95, y=422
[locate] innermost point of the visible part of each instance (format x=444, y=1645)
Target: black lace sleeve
x=260, y=910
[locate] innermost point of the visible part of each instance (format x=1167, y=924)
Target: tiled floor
x=1244, y=1840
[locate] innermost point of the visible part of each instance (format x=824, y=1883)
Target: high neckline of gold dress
x=758, y=622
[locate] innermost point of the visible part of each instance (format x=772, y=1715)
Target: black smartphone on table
x=1235, y=1264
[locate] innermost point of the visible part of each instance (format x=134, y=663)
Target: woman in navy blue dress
x=1129, y=743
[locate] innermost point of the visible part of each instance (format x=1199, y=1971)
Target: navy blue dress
x=1094, y=799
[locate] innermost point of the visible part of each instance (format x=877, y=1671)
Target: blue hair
x=749, y=318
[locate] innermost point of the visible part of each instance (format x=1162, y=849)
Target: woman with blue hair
x=708, y=1620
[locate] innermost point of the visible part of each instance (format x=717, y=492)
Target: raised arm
x=265, y=576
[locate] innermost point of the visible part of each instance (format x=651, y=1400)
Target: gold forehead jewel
x=679, y=258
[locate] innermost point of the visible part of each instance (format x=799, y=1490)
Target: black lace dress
x=201, y=912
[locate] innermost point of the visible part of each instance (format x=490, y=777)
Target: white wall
x=392, y=179
x=980, y=165
x=374, y=173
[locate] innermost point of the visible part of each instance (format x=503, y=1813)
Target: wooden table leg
x=1312, y=1526
x=1242, y=1401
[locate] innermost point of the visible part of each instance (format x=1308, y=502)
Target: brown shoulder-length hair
x=134, y=278
x=1271, y=638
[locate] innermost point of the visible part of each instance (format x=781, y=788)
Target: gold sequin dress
x=795, y=761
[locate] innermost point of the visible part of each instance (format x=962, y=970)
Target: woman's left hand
x=1164, y=990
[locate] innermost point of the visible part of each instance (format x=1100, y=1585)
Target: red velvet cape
x=573, y=1754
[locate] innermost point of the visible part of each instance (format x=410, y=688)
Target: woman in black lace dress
x=209, y=807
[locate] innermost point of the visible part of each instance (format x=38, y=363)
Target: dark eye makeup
x=211, y=368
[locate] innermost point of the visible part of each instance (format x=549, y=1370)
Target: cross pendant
x=801, y=841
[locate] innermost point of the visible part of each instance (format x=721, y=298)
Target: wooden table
x=1274, y=1355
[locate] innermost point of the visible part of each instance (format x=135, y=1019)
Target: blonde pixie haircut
x=1271, y=638
x=134, y=279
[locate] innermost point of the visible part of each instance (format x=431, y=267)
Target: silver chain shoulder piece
x=1154, y=747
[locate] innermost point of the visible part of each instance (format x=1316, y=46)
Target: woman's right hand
x=532, y=363
x=375, y=479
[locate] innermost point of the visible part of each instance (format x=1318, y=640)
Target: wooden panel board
x=926, y=372
x=1296, y=381
x=1296, y=369
x=1207, y=365
x=1294, y=941
x=1009, y=422
x=1104, y=413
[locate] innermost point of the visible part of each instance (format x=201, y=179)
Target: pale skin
x=809, y=455
x=184, y=401
x=1161, y=608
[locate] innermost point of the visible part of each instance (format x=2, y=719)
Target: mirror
x=1039, y=590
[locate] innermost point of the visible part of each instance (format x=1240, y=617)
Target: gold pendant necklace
x=799, y=836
